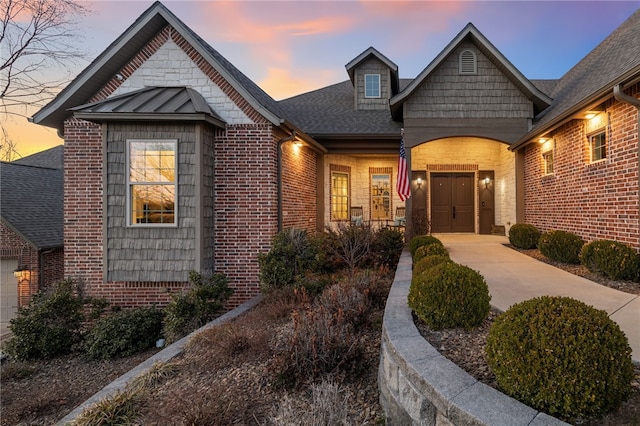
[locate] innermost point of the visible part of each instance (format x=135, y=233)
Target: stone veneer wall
x=487, y=155
x=360, y=181
x=419, y=386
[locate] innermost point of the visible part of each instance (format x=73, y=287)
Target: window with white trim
x=598, y=146
x=372, y=85
x=467, y=62
x=339, y=196
x=151, y=182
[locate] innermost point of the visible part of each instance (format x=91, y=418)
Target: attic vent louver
x=468, y=63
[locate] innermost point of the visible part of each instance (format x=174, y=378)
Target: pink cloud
x=282, y=83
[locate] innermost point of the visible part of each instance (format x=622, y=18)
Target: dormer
x=374, y=78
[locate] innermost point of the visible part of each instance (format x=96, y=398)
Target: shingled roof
x=330, y=112
x=32, y=203
x=52, y=158
x=590, y=81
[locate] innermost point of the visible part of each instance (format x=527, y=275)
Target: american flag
x=403, y=186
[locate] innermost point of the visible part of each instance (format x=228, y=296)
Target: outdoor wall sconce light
x=22, y=273
x=419, y=182
x=486, y=182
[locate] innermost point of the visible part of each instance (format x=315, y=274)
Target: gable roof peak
x=133, y=39
x=470, y=32
x=371, y=51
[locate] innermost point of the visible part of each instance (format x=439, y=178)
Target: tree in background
x=37, y=37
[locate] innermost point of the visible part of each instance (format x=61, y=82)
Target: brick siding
x=299, y=183
x=594, y=200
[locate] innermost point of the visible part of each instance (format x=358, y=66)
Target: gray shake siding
x=142, y=254
x=372, y=66
x=487, y=94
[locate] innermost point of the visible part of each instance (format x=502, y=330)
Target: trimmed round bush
x=430, y=250
x=429, y=262
x=613, y=259
x=524, y=236
x=450, y=295
x=560, y=356
x=422, y=240
x=561, y=246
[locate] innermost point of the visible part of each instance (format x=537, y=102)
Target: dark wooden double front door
x=452, y=202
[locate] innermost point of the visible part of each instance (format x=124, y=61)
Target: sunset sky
x=291, y=47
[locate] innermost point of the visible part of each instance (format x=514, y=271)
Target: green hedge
x=524, y=236
x=561, y=246
x=422, y=240
x=613, y=259
x=124, y=333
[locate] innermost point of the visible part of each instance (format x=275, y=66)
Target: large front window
x=152, y=182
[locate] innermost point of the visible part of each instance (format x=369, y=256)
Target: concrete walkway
x=513, y=277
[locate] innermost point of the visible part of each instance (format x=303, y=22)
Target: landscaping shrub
x=561, y=246
x=124, y=333
x=201, y=304
x=318, y=342
x=422, y=240
x=450, y=295
x=50, y=325
x=560, y=356
x=291, y=254
x=524, y=236
x=374, y=285
x=429, y=262
x=346, y=303
x=613, y=259
x=350, y=245
x=321, y=338
x=430, y=250
x=386, y=247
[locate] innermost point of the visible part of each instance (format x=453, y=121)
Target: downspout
x=291, y=137
x=623, y=97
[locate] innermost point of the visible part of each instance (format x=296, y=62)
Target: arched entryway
x=469, y=185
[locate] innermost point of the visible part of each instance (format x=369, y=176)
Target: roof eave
x=308, y=139
x=100, y=117
x=606, y=92
x=354, y=136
